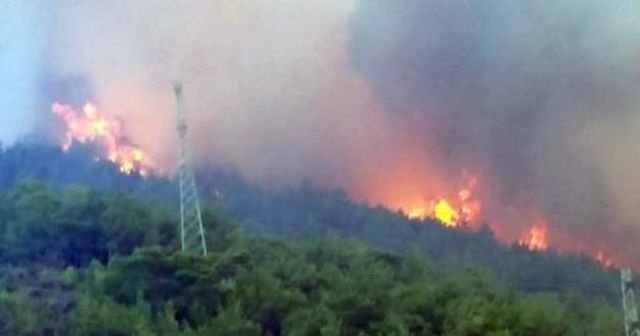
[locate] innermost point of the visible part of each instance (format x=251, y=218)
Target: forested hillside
x=88, y=251
x=79, y=262
x=306, y=211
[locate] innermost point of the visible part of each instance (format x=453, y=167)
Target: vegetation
x=78, y=260
x=308, y=212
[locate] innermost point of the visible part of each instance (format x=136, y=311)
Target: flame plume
x=536, y=239
x=89, y=126
x=454, y=212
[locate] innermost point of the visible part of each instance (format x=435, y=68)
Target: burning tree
x=107, y=133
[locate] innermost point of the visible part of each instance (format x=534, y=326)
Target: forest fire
x=459, y=207
x=461, y=210
x=464, y=211
x=536, y=239
x=89, y=126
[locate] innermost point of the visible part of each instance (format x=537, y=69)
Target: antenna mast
x=631, y=325
x=191, y=228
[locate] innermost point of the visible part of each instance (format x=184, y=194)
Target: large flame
x=463, y=210
x=454, y=212
x=89, y=126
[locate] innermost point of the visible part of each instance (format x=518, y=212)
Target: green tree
x=17, y=316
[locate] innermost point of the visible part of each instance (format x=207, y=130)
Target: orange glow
x=451, y=212
x=417, y=213
x=409, y=184
x=536, y=239
x=89, y=126
x=421, y=192
x=604, y=260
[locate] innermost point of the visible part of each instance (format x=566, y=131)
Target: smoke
x=269, y=85
x=539, y=96
x=390, y=100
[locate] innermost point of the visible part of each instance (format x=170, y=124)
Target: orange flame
x=451, y=212
x=536, y=239
x=419, y=212
x=89, y=126
x=604, y=259
x=409, y=194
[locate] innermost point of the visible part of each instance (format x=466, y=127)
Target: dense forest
x=85, y=250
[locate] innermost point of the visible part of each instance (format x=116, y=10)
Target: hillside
x=80, y=262
x=308, y=212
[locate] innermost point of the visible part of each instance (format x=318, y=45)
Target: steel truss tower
x=631, y=325
x=191, y=229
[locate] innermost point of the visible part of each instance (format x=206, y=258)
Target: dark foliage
x=98, y=260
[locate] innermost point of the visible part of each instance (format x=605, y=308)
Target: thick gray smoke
x=541, y=97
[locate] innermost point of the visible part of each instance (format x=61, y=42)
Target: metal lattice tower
x=631, y=325
x=191, y=229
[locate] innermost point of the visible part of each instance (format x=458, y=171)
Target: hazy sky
x=20, y=62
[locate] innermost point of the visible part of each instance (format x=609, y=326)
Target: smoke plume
x=269, y=85
x=391, y=100
x=541, y=97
